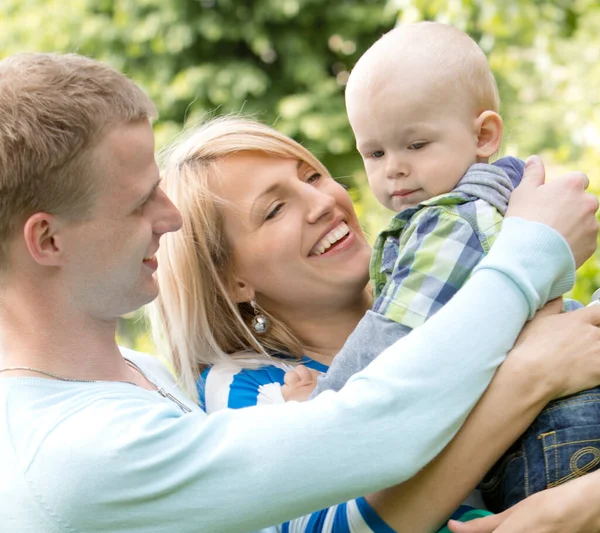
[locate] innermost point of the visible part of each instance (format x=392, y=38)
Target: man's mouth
x=331, y=239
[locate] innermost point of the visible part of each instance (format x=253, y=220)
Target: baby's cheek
x=380, y=193
x=390, y=202
x=383, y=195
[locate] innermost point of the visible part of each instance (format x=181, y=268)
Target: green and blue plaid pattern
x=427, y=253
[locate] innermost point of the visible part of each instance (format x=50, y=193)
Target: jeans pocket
x=570, y=453
x=504, y=478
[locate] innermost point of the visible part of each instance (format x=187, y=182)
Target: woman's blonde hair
x=195, y=321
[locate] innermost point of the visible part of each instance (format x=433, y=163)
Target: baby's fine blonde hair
x=195, y=321
x=446, y=55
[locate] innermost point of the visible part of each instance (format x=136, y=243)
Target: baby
x=423, y=105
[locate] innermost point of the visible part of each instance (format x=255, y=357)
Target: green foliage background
x=286, y=62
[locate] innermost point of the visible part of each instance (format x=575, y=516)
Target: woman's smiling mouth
x=332, y=238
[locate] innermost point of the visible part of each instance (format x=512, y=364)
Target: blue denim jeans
x=562, y=443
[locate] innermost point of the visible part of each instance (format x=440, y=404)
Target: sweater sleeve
x=262, y=386
x=240, y=470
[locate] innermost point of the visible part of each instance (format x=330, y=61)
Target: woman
x=256, y=207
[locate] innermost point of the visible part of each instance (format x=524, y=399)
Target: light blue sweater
x=112, y=457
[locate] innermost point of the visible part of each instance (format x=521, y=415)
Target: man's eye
x=140, y=209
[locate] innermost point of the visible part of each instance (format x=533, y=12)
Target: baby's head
x=423, y=104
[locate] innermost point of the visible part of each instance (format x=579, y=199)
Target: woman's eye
x=377, y=154
x=313, y=178
x=274, y=212
x=418, y=145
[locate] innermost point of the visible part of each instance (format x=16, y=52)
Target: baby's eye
x=418, y=145
x=377, y=154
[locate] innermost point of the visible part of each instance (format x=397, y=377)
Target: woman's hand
x=561, y=204
x=559, y=351
x=570, y=508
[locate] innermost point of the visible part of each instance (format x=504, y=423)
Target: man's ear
x=488, y=128
x=43, y=241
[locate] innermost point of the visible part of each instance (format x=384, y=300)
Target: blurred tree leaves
x=287, y=61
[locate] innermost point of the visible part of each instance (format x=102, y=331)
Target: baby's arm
x=436, y=255
x=437, y=251
x=299, y=383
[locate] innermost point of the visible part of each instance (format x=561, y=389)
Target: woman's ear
x=241, y=291
x=488, y=128
x=43, y=239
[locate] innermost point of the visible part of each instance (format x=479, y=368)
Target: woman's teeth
x=149, y=258
x=331, y=238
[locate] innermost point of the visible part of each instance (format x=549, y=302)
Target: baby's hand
x=299, y=383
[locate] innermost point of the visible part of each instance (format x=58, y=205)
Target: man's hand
x=563, y=204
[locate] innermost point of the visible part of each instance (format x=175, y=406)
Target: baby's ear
x=488, y=128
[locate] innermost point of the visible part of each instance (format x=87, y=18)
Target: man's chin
x=141, y=300
x=148, y=298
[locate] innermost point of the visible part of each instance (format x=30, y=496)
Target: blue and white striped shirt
x=231, y=387
x=224, y=386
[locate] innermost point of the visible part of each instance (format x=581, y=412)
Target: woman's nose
x=319, y=204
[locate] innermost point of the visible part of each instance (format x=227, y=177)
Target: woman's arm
x=555, y=356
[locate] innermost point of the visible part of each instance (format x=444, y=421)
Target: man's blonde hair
x=451, y=58
x=53, y=110
x=195, y=321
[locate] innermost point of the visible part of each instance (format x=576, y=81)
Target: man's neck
x=49, y=338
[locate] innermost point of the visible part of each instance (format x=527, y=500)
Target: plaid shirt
x=424, y=256
x=428, y=252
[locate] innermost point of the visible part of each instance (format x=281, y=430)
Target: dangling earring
x=260, y=322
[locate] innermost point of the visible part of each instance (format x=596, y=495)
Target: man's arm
x=228, y=387
x=240, y=470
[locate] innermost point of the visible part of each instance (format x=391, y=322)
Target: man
x=94, y=441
